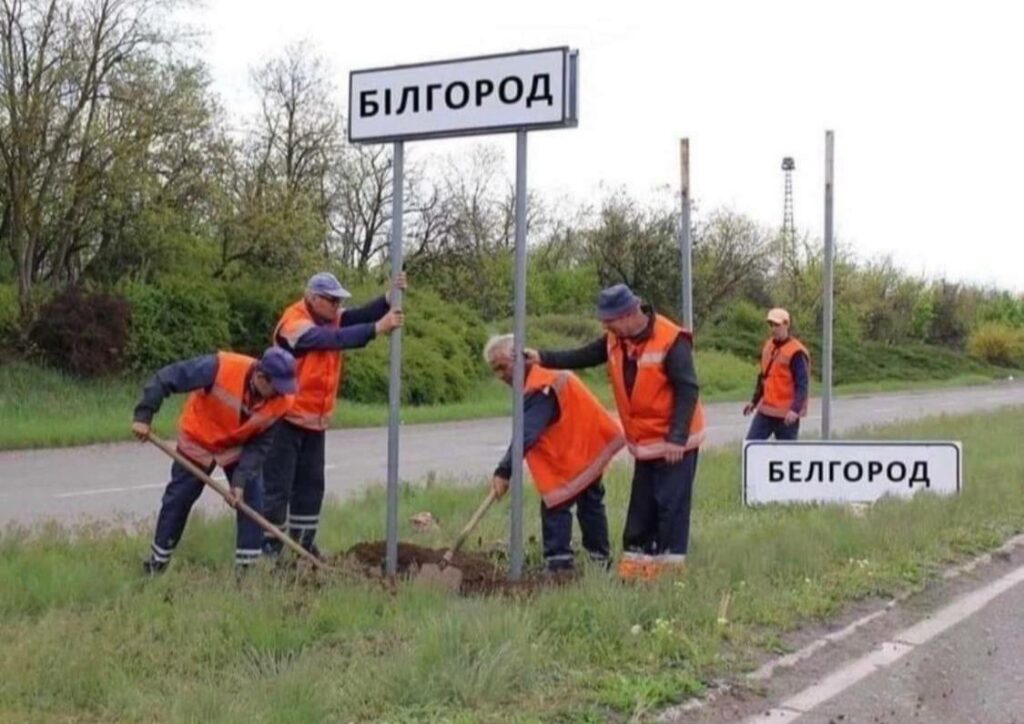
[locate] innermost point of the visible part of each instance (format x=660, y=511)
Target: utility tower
x=788, y=228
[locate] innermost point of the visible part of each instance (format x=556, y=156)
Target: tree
x=62, y=65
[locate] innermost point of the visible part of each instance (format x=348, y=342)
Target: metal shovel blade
x=448, y=578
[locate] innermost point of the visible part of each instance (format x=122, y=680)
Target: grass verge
x=86, y=638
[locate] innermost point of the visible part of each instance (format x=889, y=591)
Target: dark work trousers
x=556, y=528
x=658, y=518
x=179, y=497
x=293, y=476
x=763, y=427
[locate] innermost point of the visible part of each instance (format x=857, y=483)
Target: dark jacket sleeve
x=591, y=355
x=798, y=366
x=683, y=377
x=323, y=337
x=183, y=376
x=254, y=452
x=369, y=312
x=758, y=389
x=540, y=409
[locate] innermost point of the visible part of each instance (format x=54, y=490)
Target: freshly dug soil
x=480, y=575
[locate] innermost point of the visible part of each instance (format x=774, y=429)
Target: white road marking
x=889, y=651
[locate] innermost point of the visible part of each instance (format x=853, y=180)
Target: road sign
x=524, y=91
x=848, y=471
x=489, y=94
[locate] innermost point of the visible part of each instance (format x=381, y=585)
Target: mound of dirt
x=480, y=575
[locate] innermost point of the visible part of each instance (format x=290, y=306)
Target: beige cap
x=778, y=316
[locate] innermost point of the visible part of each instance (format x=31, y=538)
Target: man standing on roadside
x=781, y=390
x=315, y=329
x=650, y=366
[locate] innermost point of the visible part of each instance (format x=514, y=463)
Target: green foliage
x=998, y=344
x=441, y=355
x=254, y=308
x=175, y=319
x=9, y=311
x=1003, y=308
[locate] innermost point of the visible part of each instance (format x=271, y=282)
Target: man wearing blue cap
x=650, y=366
x=315, y=329
x=233, y=406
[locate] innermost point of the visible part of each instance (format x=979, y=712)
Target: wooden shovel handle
x=488, y=501
x=238, y=505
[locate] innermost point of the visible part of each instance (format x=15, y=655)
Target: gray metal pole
x=826, y=337
x=519, y=371
x=685, y=242
x=395, y=364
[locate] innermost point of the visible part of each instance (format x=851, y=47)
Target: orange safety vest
x=574, y=451
x=215, y=423
x=317, y=372
x=647, y=414
x=779, y=388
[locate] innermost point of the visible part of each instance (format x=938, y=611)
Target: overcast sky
x=925, y=100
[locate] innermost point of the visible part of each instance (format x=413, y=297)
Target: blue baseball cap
x=616, y=301
x=327, y=285
x=279, y=365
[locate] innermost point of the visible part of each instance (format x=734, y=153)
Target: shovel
x=238, y=505
x=444, y=574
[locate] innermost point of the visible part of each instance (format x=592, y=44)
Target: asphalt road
x=124, y=480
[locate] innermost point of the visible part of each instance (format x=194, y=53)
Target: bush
x=998, y=344
x=440, y=350
x=254, y=310
x=176, y=319
x=84, y=333
x=9, y=313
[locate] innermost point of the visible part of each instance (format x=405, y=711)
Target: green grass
x=86, y=638
x=44, y=408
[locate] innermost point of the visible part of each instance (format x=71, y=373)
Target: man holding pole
x=650, y=365
x=780, y=394
x=568, y=439
x=229, y=419
x=315, y=330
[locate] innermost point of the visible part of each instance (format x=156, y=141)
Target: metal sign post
x=517, y=92
x=395, y=361
x=519, y=369
x=685, y=240
x=826, y=337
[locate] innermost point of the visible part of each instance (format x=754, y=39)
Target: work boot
x=152, y=567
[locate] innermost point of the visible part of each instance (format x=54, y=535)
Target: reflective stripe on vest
x=318, y=372
x=646, y=413
x=574, y=451
x=779, y=387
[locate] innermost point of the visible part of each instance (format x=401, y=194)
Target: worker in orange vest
x=232, y=411
x=781, y=391
x=315, y=329
x=650, y=365
x=568, y=439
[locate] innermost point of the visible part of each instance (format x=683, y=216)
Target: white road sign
x=489, y=94
x=848, y=471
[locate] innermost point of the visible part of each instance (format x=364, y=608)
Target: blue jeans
x=294, y=479
x=179, y=497
x=556, y=528
x=763, y=427
x=658, y=518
